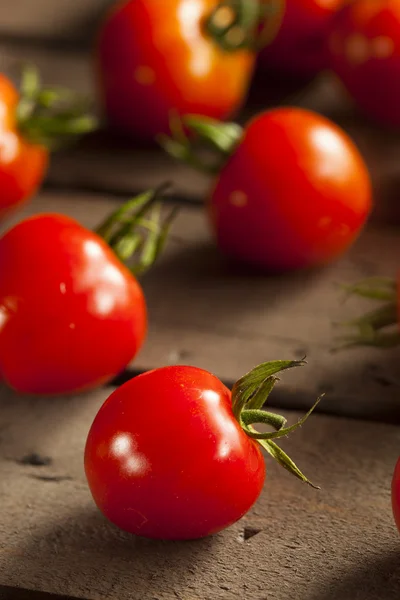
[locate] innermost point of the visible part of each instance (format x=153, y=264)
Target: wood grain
x=47, y=20
x=206, y=313
x=338, y=543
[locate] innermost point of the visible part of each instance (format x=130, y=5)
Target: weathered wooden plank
x=52, y=21
x=339, y=543
x=205, y=313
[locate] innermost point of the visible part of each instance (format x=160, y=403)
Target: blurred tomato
x=299, y=47
x=365, y=53
x=23, y=164
x=155, y=57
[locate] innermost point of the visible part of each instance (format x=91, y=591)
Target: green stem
x=233, y=24
x=137, y=232
x=370, y=329
x=51, y=117
x=249, y=395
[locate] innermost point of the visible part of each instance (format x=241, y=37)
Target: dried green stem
x=137, y=231
x=249, y=396
x=49, y=116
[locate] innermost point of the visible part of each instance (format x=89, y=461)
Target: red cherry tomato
x=166, y=456
x=295, y=193
x=71, y=315
x=22, y=164
x=299, y=47
x=396, y=494
x=365, y=54
x=155, y=57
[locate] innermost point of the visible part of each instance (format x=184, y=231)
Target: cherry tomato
x=22, y=164
x=365, y=54
x=295, y=192
x=71, y=314
x=34, y=121
x=166, y=456
x=156, y=57
x=396, y=494
x=299, y=48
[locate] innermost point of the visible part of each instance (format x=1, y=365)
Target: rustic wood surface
x=46, y=20
x=338, y=543
x=204, y=312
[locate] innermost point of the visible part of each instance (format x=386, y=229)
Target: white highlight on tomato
x=8, y=141
x=223, y=423
x=332, y=155
x=190, y=15
x=121, y=444
x=123, y=447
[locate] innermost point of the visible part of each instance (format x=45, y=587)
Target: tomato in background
x=170, y=453
x=365, y=54
x=22, y=164
x=291, y=191
x=299, y=48
x=32, y=123
x=154, y=57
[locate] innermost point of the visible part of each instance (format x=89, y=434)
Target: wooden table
x=338, y=543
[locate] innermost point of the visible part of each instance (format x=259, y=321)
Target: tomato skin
x=153, y=57
x=165, y=457
x=294, y=194
x=300, y=45
x=71, y=315
x=22, y=164
x=365, y=54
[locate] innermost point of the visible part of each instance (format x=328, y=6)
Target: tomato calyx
x=49, y=116
x=138, y=231
x=379, y=327
x=244, y=24
x=249, y=396
x=211, y=143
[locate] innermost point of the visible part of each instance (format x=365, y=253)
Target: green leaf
x=224, y=137
x=285, y=461
x=374, y=288
x=137, y=232
x=244, y=390
x=51, y=116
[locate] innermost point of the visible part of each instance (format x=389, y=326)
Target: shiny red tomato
x=299, y=48
x=22, y=164
x=167, y=457
x=294, y=193
x=71, y=315
x=365, y=54
x=396, y=494
x=156, y=57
